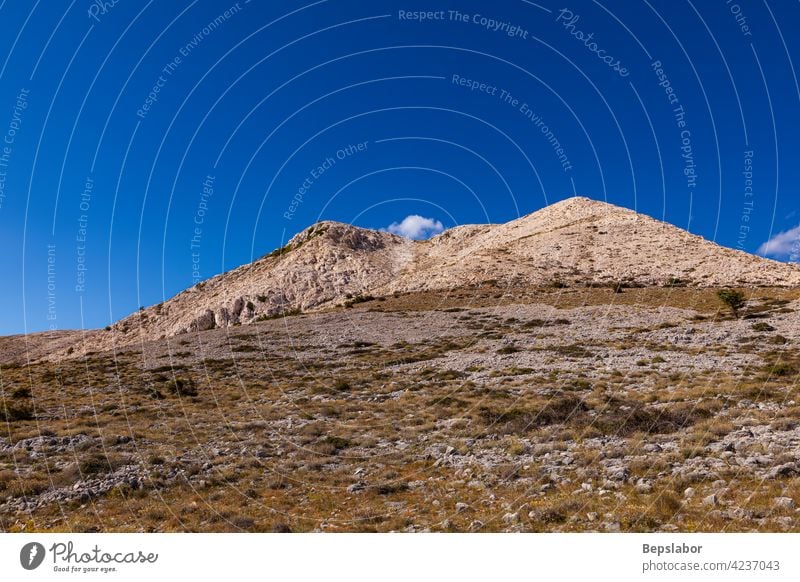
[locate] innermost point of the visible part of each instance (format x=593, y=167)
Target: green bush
x=735, y=300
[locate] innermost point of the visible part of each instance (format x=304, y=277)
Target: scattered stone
x=785, y=470
x=758, y=460
x=511, y=518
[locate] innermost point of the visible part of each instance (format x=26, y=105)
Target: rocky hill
x=580, y=241
x=574, y=242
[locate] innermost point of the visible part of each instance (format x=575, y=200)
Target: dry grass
x=256, y=430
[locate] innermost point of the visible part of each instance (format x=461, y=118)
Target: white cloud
x=416, y=227
x=782, y=244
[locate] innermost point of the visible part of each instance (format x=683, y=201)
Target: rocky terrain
x=481, y=409
x=577, y=241
x=574, y=370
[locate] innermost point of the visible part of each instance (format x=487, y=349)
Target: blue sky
x=150, y=144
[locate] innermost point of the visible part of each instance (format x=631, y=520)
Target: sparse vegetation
x=762, y=327
x=358, y=299
x=509, y=349
x=341, y=386
x=279, y=315
x=527, y=400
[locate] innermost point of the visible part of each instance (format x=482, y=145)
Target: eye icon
x=31, y=555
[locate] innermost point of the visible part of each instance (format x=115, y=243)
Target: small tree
x=735, y=300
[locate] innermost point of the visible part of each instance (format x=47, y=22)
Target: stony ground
x=481, y=409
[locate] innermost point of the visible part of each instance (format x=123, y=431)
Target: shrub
x=735, y=300
x=342, y=386
x=516, y=448
x=6, y=477
x=12, y=412
x=183, y=386
x=20, y=393
x=282, y=314
x=390, y=488
x=762, y=326
x=676, y=282
x=99, y=463
x=331, y=445
x=780, y=370
x=666, y=505
x=518, y=421
x=508, y=350
x=358, y=299
x=246, y=348
x=278, y=252
x=573, y=351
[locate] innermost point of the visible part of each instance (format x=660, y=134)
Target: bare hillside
x=574, y=242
